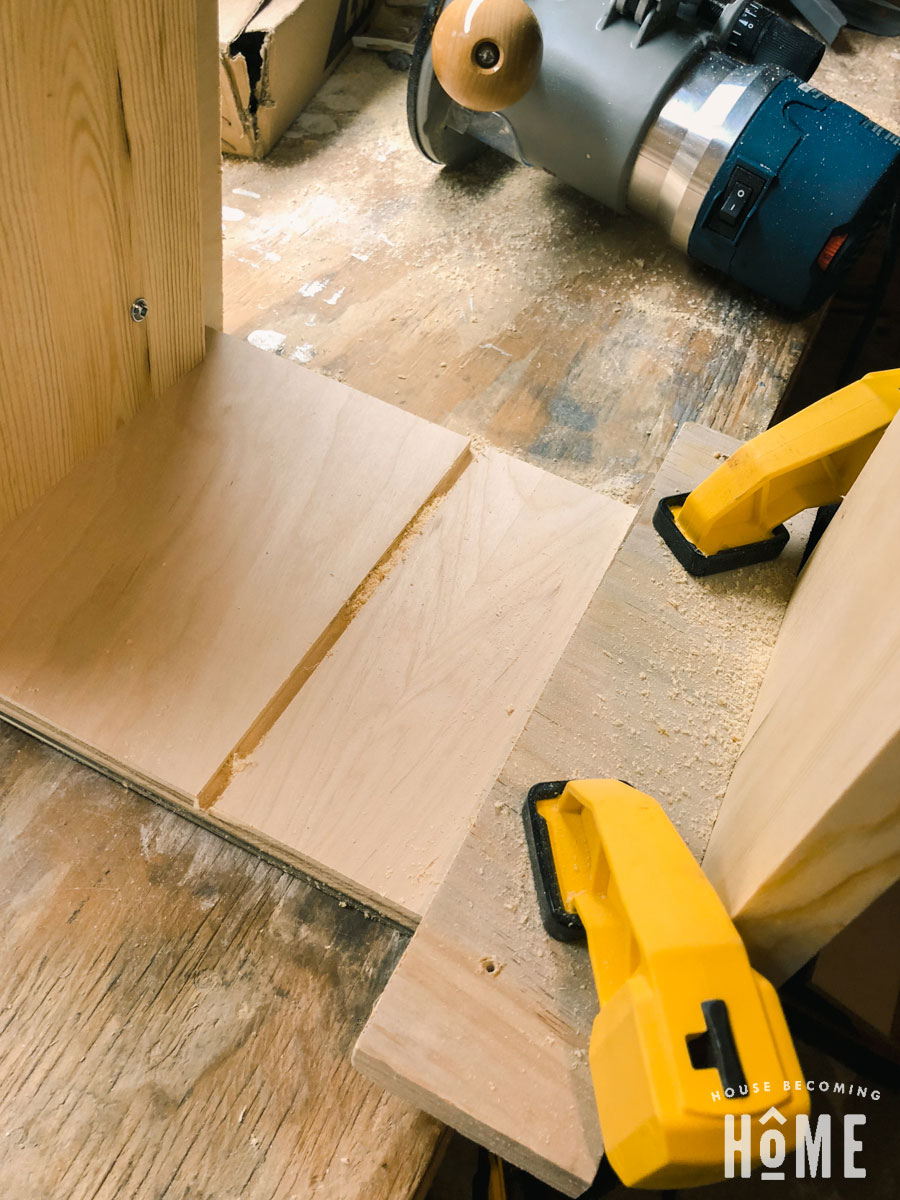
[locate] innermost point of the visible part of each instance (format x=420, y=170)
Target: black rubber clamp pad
x=560, y=924
x=694, y=561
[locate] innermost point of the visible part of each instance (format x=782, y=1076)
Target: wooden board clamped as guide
x=686, y=1026
x=734, y=518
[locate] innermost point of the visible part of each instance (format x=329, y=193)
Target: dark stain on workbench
x=176, y=1016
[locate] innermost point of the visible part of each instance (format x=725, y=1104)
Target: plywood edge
x=455, y=1041
x=334, y=881
x=185, y=806
x=72, y=746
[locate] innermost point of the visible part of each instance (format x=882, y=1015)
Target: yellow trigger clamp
x=735, y=516
x=687, y=1031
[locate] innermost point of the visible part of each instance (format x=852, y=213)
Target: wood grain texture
x=208, y=130
x=371, y=776
x=101, y=205
x=809, y=831
x=154, y=603
x=655, y=686
x=177, y=1015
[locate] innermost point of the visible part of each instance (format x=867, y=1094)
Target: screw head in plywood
x=139, y=309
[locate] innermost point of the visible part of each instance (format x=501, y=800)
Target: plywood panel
x=177, y=1015
x=371, y=776
x=156, y=604
x=101, y=204
x=809, y=830
x=485, y=1022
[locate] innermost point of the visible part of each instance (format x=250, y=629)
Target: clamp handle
x=684, y=1019
x=735, y=517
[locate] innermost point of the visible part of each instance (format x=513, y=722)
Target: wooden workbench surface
x=176, y=1015
x=497, y=300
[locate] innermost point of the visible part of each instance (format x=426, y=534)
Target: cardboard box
x=273, y=55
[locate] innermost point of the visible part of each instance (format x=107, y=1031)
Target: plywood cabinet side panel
x=153, y=603
x=809, y=830
x=373, y=773
x=100, y=206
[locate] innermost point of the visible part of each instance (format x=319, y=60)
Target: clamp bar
x=735, y=517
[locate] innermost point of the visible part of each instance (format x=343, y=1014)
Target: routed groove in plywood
x=325, y=643
x=655, y=686
x=101, y=205
x=155, y=601
x=371, y=776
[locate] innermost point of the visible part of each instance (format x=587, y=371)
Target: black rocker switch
x=737, y=199
x=735, y=203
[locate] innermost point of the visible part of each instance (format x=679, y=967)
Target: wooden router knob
x=486, y=53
